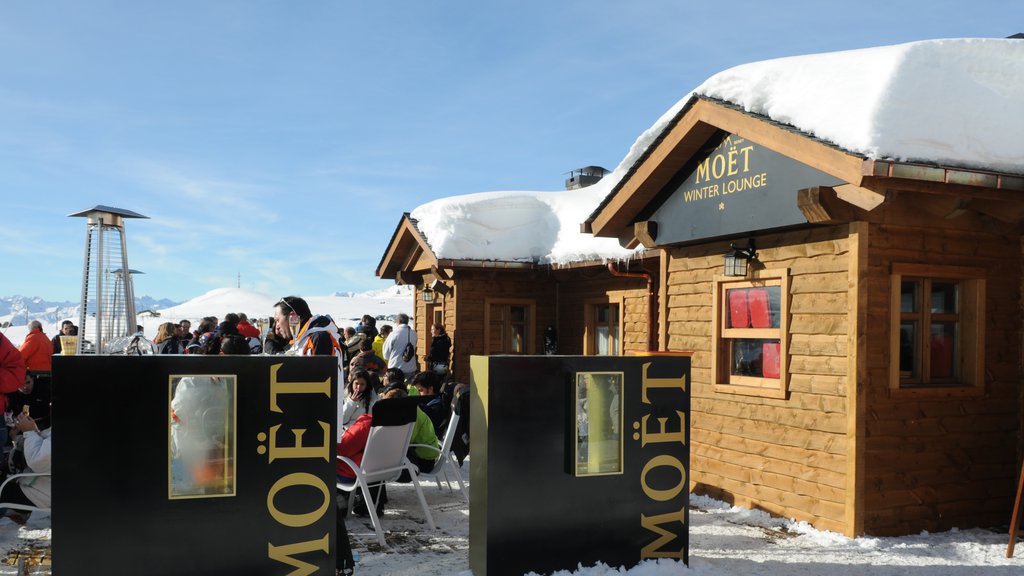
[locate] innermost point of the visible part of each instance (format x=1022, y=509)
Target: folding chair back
x=384, y=456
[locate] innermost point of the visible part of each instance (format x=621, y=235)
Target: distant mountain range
x=19, y=310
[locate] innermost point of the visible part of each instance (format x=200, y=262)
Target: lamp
x=439, y=287
x=428, y=295
x=737, y=259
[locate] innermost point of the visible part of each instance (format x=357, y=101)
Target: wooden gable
x=864, y=183
x=407, y=256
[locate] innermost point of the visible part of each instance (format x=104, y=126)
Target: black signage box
x=578, y=459
x=169, y=465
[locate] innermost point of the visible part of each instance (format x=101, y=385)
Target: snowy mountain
x=345, y=308
x=20, y=310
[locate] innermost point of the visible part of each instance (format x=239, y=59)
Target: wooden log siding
x=580, y=288
x=934, y=463
x=785, y=456
x=473, y=288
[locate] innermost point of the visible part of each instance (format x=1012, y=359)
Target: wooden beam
x=439, y=273
x=646, y=232
x=407, y=277
x=943, y=189
x=860, y=197
x=628, y=239
x=821, y=205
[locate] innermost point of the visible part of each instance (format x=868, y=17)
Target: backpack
x=409, y=353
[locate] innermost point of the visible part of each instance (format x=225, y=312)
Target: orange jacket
x=37, y=351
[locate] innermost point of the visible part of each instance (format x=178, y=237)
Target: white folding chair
x=384, y=458
x=445, y=461
x=26, y=507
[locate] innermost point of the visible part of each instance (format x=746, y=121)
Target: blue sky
x=283, y=140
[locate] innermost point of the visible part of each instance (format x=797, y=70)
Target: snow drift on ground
x=954, y=102
x=724, y=541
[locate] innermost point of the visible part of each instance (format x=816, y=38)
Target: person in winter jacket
x=33, y=490
x=351, y=446
x=315, y=335
x=431, y=401
x=67, y=328
x=359, y=399
x=36, y=349
x=440, y=350
x=12, y=377
x=423, y=434
x=166, y=340
x=368, y=325
x=397, y=344
x=367, y=360
x=245, y=328
x=378, y=341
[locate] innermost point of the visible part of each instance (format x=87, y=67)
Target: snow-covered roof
x=953, y=102
x=511, y=226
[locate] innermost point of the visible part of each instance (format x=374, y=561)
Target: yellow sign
x=726, y=171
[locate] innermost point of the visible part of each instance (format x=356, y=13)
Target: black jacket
x=440, y=349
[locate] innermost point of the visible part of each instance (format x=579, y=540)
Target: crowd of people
x=374, y=365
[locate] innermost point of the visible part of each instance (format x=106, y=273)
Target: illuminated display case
x=598, y=423
x=201, y=436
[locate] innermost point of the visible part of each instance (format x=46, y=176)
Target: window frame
x=970, y=318
x=590, y=325
x=529, y=325
x=722, y=336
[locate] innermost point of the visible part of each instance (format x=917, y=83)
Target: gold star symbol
x=721, y=205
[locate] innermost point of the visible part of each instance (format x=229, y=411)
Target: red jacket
x=352, y=444
x=12, y=370
x=248, y=330
x=37, y=350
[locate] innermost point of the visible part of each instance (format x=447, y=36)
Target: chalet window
x=605, y=329
x=938, y=336
x=509, y=326
x=751, y=329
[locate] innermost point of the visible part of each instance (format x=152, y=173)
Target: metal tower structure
x=107, y=311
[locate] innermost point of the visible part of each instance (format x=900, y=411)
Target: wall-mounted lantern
x=737, y=260
x=428, y=295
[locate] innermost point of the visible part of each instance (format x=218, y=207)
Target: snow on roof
x=953, y=102
x=541, y=227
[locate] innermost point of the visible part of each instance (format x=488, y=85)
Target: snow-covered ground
x=724, y=541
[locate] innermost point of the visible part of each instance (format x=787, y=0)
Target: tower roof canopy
x=99, y=208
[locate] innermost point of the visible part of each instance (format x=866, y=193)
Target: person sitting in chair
x=428, y=385
x=422, y=433
x=31, y=490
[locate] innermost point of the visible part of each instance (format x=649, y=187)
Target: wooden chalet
x=506, y=307
x=863, y=373
x=857, y=366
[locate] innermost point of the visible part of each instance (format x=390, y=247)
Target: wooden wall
x=934, y=463
x=578, y=288
x=560, y=298
x=472, y=288
x=784, y=456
